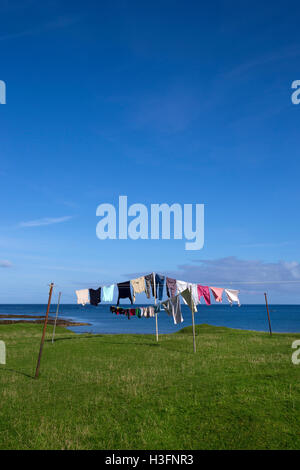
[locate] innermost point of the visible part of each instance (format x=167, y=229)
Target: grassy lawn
x=239, y=391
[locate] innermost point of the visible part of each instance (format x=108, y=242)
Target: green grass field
x=239, y=391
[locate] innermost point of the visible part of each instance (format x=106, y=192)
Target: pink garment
x=217, y=293
x=204, y=291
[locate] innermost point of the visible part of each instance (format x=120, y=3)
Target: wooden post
x=44, y=332
x=156, y=322
x=56, y=317
x=268, y=314
x=193, y=320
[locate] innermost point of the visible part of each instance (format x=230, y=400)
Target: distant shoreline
x=39, y=319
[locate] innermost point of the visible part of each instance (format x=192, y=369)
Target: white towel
x=232, y=296
x=83, y=296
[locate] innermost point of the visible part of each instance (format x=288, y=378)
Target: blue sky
x=166, y=101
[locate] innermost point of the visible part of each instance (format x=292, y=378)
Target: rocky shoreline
x=38, y=319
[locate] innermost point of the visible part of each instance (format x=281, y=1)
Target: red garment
x=204, y=291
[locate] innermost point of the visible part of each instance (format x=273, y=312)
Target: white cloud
x=251, y=277
x=45, y=221
x=248, y=275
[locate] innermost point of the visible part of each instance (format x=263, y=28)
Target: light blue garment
x=108, y=293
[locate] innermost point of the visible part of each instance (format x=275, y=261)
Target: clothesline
x=155, y=283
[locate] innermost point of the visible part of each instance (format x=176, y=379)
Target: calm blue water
x=284, y=318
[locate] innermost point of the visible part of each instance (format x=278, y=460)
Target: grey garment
x=172, y=307
x=187, y=296
x=149, y=281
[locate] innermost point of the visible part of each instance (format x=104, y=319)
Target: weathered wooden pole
x=268, y=314
x=156, y=322
x=193, y=320
x=59, y=295
x=44, y=332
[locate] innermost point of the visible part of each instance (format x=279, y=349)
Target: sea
x=284, y=318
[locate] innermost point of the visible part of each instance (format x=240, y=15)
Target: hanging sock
x=159, y=282
x=204, y=291
x=108, y=293
x=232, y=296
x=217, y=293
x=83, y=296
x=95, y=296
x=138, y=286
x=124, y=291
x=173, y=308
x=149, y=281
x=187, y=296
x=171, y=287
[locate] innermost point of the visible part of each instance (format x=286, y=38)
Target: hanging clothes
x=187, y=296
x=157, y=308
x=95, y=296
x=83, y=296
x=138, y=286
x=124, y=291
x=232, y=296
x=204, y=291
x=181, y=286
x=173, y=308
x=217, y=293
x=149, y=281
x=108, y=293
x=159, y=283
x=195, y=294
x=139, y=312
x=171, y=287
x=149, y=312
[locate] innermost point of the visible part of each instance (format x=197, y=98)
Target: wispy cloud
x=260, y=61
x=265, y=245
x=45, y=221
x=5, y=263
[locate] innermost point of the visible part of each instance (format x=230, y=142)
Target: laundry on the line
x=217, y=293
x=173, y=308
x=83, y=296
x=149, y=280
x=204, y=291
x=159, y=283
x=95, y=296
x=124, y=291
x=187, y=296
x=108, y=293
x=232, y=296
x=171, y=287
x=138, y=286
x=154, y=284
